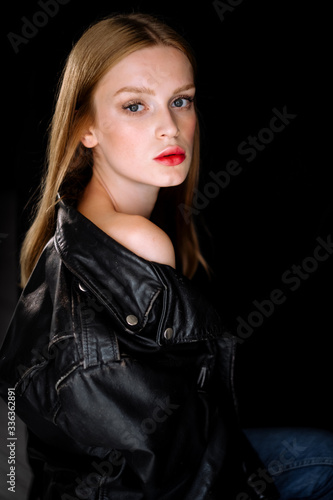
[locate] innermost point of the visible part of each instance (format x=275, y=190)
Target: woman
x=122, y=370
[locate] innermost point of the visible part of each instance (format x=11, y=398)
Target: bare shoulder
x=134, y=232
x=142, y=237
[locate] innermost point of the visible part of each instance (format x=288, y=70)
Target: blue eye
x=179, y=103
x=182, y=102
x=134, y=107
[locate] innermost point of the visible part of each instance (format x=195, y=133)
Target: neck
x=127, y=197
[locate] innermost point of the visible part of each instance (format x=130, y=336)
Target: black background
x=262, y=55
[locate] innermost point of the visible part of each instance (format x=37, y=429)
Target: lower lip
x=171, y=160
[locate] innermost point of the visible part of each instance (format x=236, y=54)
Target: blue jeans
x=300, y=461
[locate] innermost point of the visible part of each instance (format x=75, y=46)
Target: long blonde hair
x=70, y=163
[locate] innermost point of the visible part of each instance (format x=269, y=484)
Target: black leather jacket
x=123, y=375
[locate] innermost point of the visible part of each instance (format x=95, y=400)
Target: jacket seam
x=66, y=375
x=56, y=411
x=78, y=276
x=56, y=340
x=114, y=345
x=197, y=338
x=28, y=371
x=150, y=305
x=84, y=332
x=88, y=358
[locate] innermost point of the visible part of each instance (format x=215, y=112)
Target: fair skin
x=143, y=105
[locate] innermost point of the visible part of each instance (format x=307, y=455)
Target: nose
x=166, y=124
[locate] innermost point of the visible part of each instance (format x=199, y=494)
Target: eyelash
x=134, y=102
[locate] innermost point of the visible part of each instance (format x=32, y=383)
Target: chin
x=176, y=181
x=174, y=177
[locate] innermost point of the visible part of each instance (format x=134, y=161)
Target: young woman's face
x=145, y=119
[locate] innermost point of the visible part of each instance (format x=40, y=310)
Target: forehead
x=151, y=67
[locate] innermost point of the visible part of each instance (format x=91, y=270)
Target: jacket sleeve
x=119, y=404
x=141, y=402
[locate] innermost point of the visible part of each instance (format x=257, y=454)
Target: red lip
x=171, y=156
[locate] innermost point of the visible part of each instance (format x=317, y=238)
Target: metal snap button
x=82, y=288
x=132, y=320
x=168, y=334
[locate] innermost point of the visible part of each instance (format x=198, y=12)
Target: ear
x=89, y=139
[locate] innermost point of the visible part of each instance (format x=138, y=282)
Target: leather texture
x=123, y=374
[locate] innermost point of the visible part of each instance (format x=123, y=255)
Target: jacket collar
x=129, y=285
x=120, y=278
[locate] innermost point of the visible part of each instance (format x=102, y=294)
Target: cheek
x=129, y=142
x=118, y=136
x=189, y=129
x=125, y=143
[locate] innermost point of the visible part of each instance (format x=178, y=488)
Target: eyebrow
x=145, y=90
